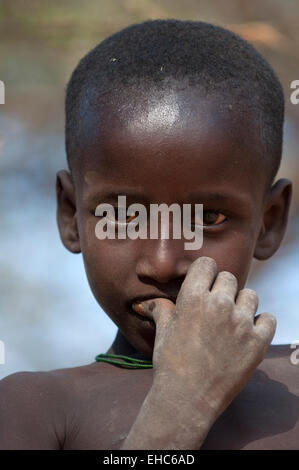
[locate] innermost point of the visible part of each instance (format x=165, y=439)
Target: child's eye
x=210, y=218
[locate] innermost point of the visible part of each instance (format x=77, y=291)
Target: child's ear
x=275, y=219
x=66, y=211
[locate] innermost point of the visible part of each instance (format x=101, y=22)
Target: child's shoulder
x=281, y=371
x=35, y=406
x=69, y=408
x=269, y=403
x=282, y=363
x=265, y=414
x=94, y=407
x=26, y=402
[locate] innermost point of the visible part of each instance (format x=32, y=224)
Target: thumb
x=159, y=310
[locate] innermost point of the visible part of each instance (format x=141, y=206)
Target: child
x=170, y=111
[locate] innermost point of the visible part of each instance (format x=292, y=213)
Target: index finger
x=199, y=277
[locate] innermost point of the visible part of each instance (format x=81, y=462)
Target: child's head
x=171, y=111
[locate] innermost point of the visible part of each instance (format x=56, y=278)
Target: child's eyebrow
x=113, y=195
x=238, y=199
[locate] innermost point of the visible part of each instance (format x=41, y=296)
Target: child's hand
x=208, y=345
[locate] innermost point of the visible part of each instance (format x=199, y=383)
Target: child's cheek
x=234, y=254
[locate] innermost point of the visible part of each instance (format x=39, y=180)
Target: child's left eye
x=121, y=216
x=210, y=218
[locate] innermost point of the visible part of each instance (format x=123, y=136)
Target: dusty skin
x=214, y=384
x=199, y=379
x=217, y=391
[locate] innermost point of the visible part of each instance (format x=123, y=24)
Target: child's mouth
x=143, y=318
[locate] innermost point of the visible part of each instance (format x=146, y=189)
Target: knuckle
x=248, y=298
x=222, y=301
x=204, y=261
x=244, y=319
x=228, y=275
x=194, y=298
x=245, y=328
x=248, y=292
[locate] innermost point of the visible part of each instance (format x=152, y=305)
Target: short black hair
x=151, y=52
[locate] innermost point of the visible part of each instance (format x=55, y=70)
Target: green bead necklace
x=126, y=361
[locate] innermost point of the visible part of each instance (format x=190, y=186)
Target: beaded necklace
x=126, y=362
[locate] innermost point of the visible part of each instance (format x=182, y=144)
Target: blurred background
x=48, y=316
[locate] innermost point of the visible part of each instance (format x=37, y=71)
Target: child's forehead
x=169, y=108
x=180, y=113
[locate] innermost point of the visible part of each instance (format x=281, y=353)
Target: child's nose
x=163, y=260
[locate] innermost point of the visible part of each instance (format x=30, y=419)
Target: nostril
x=160, y=270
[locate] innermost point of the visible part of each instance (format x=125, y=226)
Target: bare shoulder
x=282, y=364
x=275, y=389
x=25, y=407
x=265, y=414
x=35, y=406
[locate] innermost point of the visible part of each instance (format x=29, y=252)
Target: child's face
x=172, y=148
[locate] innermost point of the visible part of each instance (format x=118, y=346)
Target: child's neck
x=122, y=346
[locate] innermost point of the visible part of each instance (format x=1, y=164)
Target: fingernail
x=138, y=307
